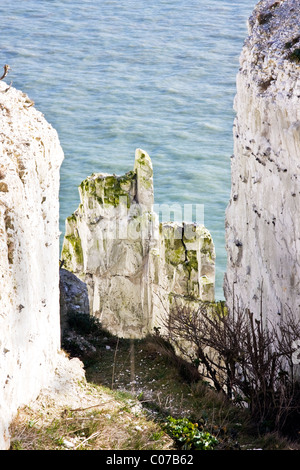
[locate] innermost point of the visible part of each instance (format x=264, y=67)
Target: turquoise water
x=115, y=75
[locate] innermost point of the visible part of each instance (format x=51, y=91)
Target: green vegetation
x=148, y=398
x=170, y=388
x=108, y=189
x=248, y=359
x=188, y=434
x=75, y=243
x=175, y=251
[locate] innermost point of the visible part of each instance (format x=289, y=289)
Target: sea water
x=115, y=75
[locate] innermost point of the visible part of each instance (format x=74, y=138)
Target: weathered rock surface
x=130, y=263
x=263, y=218
x=73, y=297
x=29, y=245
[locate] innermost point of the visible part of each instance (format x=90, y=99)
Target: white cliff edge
x=31, y=156
x=262, y=220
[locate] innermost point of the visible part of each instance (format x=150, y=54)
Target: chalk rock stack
x=263, y=216
x=30, y=158
x=131, y=264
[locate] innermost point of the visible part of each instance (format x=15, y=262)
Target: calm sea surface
x=115, y=75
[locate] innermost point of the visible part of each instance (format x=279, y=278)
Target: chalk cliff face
x=130, y=263
x=30, y=158
x=263, y=218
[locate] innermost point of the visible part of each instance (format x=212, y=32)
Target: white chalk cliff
x=30, y=159
x=131, y=264
x=263, y=216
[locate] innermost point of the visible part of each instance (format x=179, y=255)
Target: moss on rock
x=75, y=243
x=108, y=189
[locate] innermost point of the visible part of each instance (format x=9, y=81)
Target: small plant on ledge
x=188, y=436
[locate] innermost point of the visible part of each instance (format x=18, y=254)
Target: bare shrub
x=247, y=358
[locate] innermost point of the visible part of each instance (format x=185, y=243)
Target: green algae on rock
x=129, y=261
